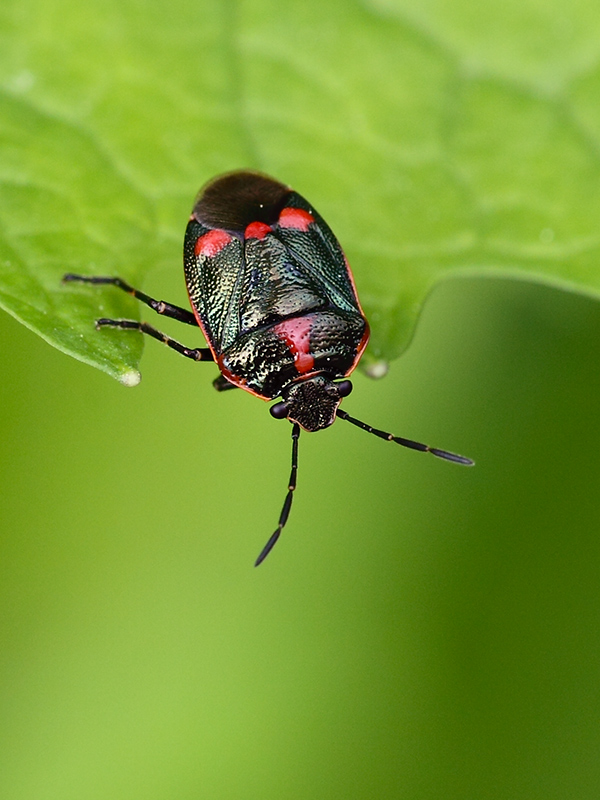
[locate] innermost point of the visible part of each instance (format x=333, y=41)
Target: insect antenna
x=424, y=448
x=285, y=511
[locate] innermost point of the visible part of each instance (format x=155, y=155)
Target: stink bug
x=273, y=294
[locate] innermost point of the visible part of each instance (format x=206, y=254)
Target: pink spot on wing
x=257, y=230
x=212, y=243
x=296, y=334
x=296, y=218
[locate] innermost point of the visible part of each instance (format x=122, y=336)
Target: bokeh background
x=422, y=630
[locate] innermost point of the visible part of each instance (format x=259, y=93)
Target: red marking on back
x=296, y=218
x=296, y=334
x=257, y=230
x=212, y=243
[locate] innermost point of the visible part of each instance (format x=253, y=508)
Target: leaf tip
x=130, y=378
x=377, y=368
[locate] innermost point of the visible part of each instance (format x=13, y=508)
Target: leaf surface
x=435, y=138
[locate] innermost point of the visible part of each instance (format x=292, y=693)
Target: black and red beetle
x=273, y=294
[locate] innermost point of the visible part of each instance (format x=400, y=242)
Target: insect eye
x=344, y=388
x=279, y=410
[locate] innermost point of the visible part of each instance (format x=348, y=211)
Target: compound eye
x=279, y=410
x=344, y=388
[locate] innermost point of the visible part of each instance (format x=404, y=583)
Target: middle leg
x=196, y=353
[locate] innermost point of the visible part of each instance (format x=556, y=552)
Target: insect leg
x=221, y=384
x=424, y=448
x=197, y=353
x=285, y=511
x=166, y=309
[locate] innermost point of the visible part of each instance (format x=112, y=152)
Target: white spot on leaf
x=130, y=378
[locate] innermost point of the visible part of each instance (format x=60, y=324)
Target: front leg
x=166, y=309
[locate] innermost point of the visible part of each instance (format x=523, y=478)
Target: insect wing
x=214, y=269
x=276, y=284
x=315, y=248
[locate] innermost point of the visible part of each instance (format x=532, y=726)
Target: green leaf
x=435, y=138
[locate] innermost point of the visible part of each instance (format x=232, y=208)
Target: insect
x=273, y=294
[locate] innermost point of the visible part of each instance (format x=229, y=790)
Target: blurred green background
x=422, y=631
